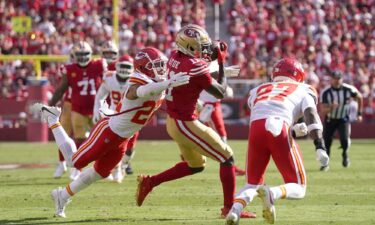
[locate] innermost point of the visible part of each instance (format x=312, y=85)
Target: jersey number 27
x=275, y=92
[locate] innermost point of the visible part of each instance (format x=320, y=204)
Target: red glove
x=222, y=51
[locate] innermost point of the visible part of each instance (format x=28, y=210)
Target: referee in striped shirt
x=335, y=105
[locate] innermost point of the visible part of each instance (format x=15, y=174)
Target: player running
x=143, y=94
x=274, y=108
x=195, y=140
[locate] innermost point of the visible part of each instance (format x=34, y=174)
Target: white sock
x=86, y=178
x=289, y=191
x=64, y=142
x=248, y=193
x=128, y=158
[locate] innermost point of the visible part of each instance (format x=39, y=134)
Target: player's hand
x=322, y=157
x=222, y=50
x=359, y=118
x=178, y=79
x=96, y=117
x=300, y=129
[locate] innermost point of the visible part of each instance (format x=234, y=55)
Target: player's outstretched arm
x=60, y=90
x=315, y=129
x=100, y=97
x=151, y=89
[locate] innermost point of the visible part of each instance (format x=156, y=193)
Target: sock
x=129, y=154
x=289, y=191
x=238, y=206
x=228, y=182
x=180, y=170
x=64, y=142
x=61, y=157
x=86, y=178
x=247, y=194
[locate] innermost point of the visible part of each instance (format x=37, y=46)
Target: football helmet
x=151, y=62
x=194, y=41
x=109, y=51
x=125, y=66
x=82, y=53
x=288, y=68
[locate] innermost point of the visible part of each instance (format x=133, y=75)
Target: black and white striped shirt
x=342, y=97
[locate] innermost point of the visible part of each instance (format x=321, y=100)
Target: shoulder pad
x=138, y=78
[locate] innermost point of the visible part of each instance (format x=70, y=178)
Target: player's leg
x=344, y=133
x=258, y=157
x=65, y=120
x=103, y=146
x=63, y=141
x=181, y=169
x=129, y=154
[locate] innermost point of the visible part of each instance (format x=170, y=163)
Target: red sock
x=61, y=157
x=180, y=170
x=228, y=181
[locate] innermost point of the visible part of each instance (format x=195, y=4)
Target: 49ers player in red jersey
x=195, y=140
x=84, y=78
x=275, y=107
x=143, y=95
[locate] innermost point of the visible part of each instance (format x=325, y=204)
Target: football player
x=110, y=53
x=143, y=94
x=84, y=78
x=113, y=85
x=275, y=106
x=196, y=141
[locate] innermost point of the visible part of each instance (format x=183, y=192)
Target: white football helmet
x=125, y=66
x=109, y=51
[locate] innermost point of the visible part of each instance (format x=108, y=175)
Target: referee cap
x=336, y=74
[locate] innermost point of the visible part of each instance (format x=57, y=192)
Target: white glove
x=322, y=157
x=300, y=129
x=232, y=71
x=96, y=117
x=178, y=79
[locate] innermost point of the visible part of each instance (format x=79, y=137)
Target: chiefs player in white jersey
x=113, y=85
x=274, y=108
x=105, y=145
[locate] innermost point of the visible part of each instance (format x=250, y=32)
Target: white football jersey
x=114, y=88
x=286, y=100
x=126, y=124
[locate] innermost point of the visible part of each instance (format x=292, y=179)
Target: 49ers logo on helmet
x=191, y=33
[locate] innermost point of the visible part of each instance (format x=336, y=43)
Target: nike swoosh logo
x=44, y=108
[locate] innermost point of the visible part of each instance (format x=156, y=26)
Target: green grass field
x=339, y=196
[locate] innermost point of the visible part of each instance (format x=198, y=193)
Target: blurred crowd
x=325, y=35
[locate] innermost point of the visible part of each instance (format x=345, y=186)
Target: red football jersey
x=84, y=82
x=182, y=100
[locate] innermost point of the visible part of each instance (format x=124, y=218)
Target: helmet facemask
x=82, y=58
x=110, y=56
x=124, y=69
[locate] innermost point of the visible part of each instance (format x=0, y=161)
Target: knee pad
x=196, y=169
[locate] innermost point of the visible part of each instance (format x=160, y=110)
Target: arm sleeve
x=152, y=89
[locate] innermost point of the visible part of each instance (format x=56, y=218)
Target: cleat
x=60, y=170
x=345, y=160
x=269, y=211
x=110, y=177
x=144, y=188
x=239, y=172
x=46, y=112
x=244, y=214
x=129, y=170
x=60, y=203
x=233, y=217
x=74, y=174
x=324, y=168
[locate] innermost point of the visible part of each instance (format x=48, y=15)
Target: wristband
x=319, y=144
x=359, y=113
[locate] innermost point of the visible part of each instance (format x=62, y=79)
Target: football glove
x=300, y=129
x=222, y=51
x=178, y=79
x=322, y=157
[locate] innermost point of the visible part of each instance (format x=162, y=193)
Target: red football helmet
x=125, y=66
x=151, y=62
x=288, y=68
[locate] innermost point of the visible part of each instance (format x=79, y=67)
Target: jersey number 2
x=276, y=92
x=142, y=116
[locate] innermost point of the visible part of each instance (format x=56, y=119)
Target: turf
x=339, y=196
